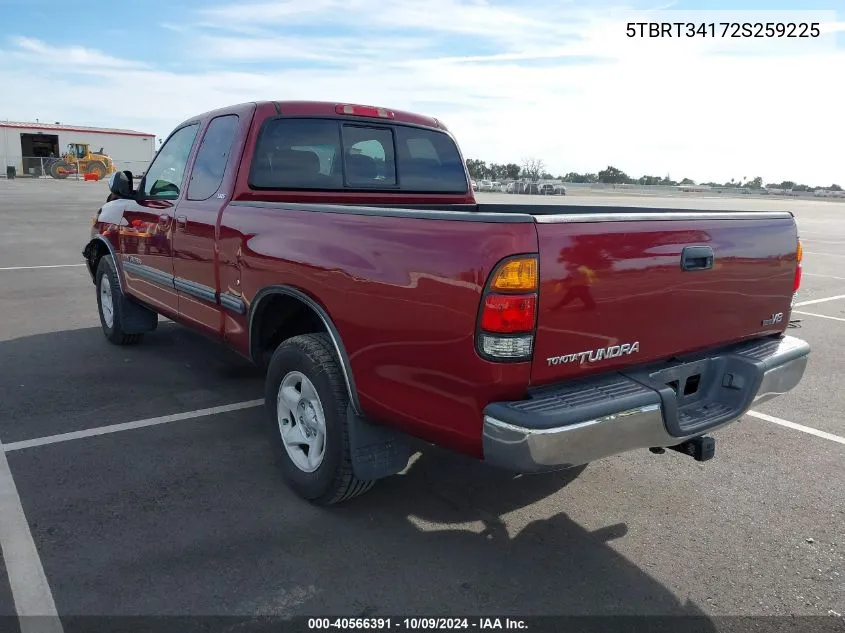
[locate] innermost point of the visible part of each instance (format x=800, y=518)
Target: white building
x=23, y=145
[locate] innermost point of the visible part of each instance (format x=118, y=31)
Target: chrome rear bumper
x=574, y=424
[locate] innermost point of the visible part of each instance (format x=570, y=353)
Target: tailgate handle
x=697, y=258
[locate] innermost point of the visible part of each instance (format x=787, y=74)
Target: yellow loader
x=80, y=159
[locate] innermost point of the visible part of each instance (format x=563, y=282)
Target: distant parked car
x=474, y=185
x=547, y=189
x=559, y=190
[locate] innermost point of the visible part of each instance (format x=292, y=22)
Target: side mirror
x=120, y=184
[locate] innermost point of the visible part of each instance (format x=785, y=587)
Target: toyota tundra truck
x=341, y=249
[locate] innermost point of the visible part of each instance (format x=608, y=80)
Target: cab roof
x=330, y=109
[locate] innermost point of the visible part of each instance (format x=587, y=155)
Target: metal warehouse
x=31, y=148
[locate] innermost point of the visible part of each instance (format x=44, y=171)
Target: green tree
x=648, y=180
x=477, y=168
x=512, y=171
x=756, y=183
x=687, y=182
x=498, y=172
x=574, y=177
x=613, y=175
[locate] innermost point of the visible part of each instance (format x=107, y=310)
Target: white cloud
x=549, y=80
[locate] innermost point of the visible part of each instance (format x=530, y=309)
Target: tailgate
x=614, y=292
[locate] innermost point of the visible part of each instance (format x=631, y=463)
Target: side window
x=165, y=175
x=369, y=158
x=212, y=157
x=422, y=148
x=297, y=154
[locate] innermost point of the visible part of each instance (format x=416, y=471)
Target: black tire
x=333, y=481
x=59, y=170
x=98, y=168
x=107, y=276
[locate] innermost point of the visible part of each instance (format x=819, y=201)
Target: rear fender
x=377, y=450
x=255, y=309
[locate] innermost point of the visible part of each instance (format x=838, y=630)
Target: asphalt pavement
x=190, y=517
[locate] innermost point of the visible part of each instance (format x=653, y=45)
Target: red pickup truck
x=341, y=248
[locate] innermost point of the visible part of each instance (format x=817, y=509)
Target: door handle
x=697, y=258
x=181, y=221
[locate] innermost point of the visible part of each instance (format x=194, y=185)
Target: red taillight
x=509, y=314
x=509, y=310
x=799, y=255
x=359, y=110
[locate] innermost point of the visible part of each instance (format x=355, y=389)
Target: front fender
x=96, y=248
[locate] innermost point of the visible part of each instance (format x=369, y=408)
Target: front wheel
x=306, y=401
x=111, y=306
x=60, y=170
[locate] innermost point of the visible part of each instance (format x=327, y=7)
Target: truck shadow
x=482, y=541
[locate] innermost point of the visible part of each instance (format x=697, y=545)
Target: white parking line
x=828, y=254
x=812, y=301
x=36, y=267
x=797, y=427
x=250, y=404
x=820, y=275
x=30, y=590
x=821, y=316
x=126, y=426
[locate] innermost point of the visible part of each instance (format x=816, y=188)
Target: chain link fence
x=562, y=187
x=70, y=168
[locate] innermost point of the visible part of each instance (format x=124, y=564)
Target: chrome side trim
x=332, y=331
x=148, y=273
x=232, y=302
x=200, y=291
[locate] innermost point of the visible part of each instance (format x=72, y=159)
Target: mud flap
x=136, y=319
x=377, y=451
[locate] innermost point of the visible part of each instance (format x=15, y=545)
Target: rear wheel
x=110, y=304
x=97, y=168
x=306, y=401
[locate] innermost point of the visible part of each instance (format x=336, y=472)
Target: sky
x=513, y=79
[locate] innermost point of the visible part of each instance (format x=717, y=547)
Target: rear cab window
x=334, y=155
